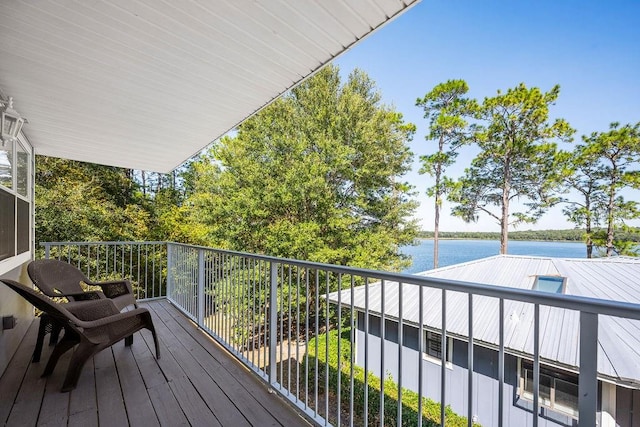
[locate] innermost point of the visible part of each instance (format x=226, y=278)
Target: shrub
x=430, y=408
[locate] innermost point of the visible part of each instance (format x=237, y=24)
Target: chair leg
x=128, y=341
x=78, y=360
x=42, y=330
x=55, y=333
x=155, y=339
x=69, y=340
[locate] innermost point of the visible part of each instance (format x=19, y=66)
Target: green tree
x=517, y=159
x=316, y=176
x=85, y=202
x=445, y=107
x=582, y=173
x=618, y=151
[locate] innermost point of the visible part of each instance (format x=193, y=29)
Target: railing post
x=169, y=290
x=587, y=379
x=273, y=320
x=200, y=287
x=47, y=248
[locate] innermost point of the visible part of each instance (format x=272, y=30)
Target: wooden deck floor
x=195, y=382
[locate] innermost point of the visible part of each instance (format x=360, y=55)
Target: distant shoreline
x=498, y=239
x=566, y=235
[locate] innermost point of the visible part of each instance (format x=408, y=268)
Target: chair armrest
x=120, y=316
x=114, y=288
x=87, y=311
x=84, y=296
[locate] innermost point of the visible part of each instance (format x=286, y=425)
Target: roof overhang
x=147, y=84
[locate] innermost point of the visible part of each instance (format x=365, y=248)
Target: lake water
x=457, y=251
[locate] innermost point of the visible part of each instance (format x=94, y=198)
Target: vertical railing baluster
x=421, y=349
x=317, y=332
x=352, y=356
x=289, y=331
x=170, y=271
x=382, y=331
x=265, y=319
x=470, y=363
x=366, y=351
x=501, y=366
x=298, y=333
x=253, y=315
x=588, y=376
x=400, y=352
x=306, y=340
x=273, y=304
x=281, y=327
x=154, y=294
x=339, y=391
x=200, y=288
x=536, y=364
x=326, y=348
x=443, y=360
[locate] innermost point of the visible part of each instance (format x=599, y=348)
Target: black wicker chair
x=60, y=279
x=91, y=325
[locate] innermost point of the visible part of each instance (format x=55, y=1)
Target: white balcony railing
x=274, y=315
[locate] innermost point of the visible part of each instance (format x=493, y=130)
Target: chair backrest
x=55, y=277
x=41, y=302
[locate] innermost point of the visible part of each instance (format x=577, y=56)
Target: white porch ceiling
x=146, y=84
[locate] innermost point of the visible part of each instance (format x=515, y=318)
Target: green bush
x=430, y=409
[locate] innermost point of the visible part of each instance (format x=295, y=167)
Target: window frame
x=21, y=248
x=554, y=374
x=436, y=337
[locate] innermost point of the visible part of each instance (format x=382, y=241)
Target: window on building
x=552, y=284
x=433, y=346
x=558, y=390
x=15, y=199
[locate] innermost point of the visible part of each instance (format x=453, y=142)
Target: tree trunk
x=143, y=178
x=610, y=208
x=588, y=240
x=504, y=218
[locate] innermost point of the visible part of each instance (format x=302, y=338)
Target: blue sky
x=590, y=48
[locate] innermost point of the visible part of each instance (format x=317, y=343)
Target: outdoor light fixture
x=11, y=122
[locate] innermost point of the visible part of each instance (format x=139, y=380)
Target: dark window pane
x=434, y=345
x=23, y=226
x=566, y=395
x=410, y=337
x=7, y=225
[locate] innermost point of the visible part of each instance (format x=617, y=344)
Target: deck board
x=112, y=412
x=195, y=382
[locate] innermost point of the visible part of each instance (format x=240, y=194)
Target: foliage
x=517, y=159
x=616, y=154
x=86, y=202
x=340, y=361
x=445, y=107
x=313, y=176
x=581, y=172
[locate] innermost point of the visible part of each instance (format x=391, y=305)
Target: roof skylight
x=552, y=284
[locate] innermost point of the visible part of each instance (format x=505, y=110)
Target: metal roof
x=609, y=279
x=146, y=84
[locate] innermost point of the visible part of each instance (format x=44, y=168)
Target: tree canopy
x=517, y=158
x=614, y=157
x=446, y=107
x=317, y=175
